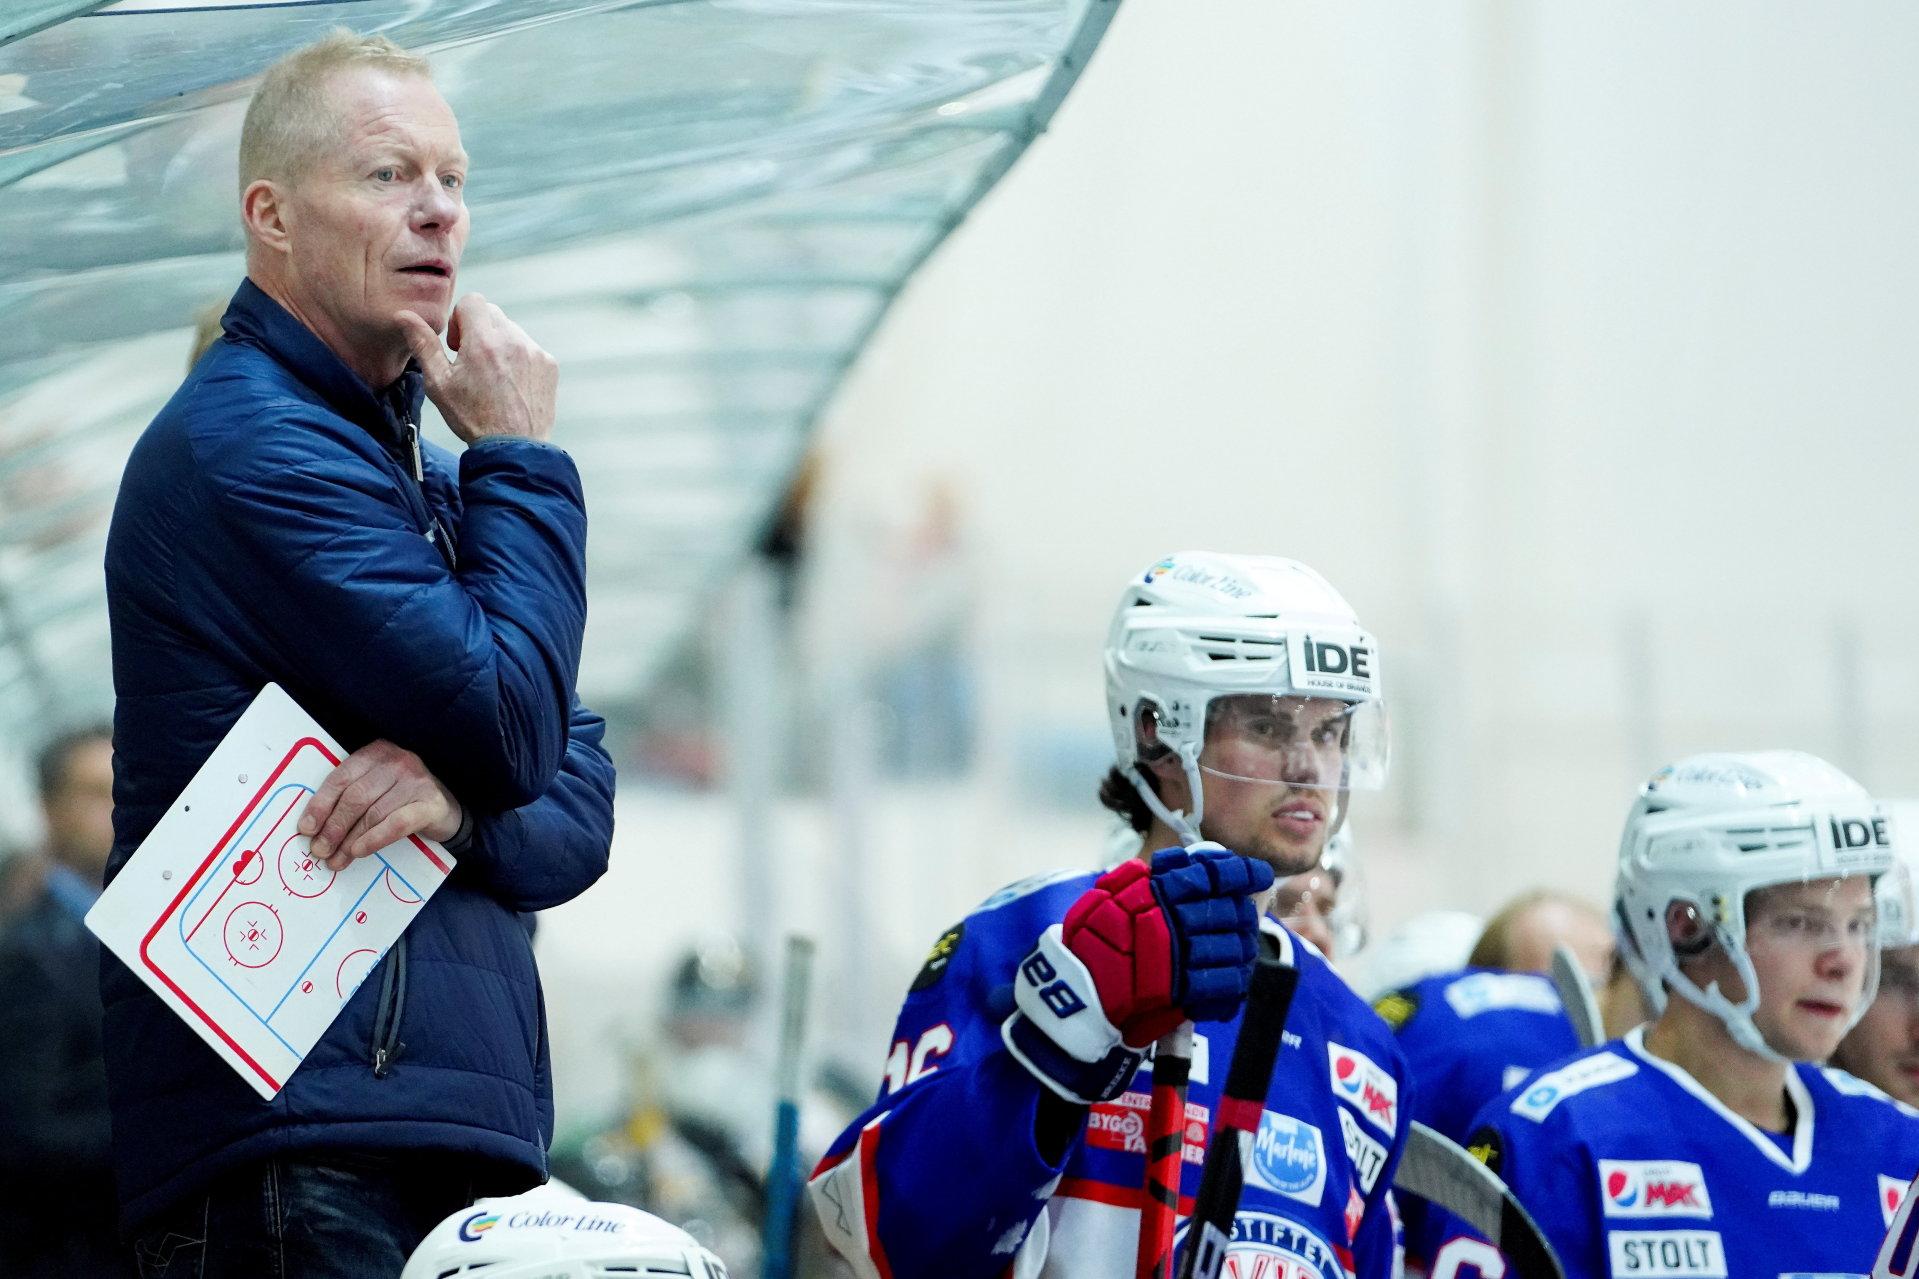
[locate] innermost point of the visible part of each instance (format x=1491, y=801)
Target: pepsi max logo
x=1358, y=1080
x=1654, y=1188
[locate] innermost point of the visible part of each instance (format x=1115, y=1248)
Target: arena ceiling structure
x=703, y=208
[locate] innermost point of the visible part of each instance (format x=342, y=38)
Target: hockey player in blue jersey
x=1708, y=1142
x=1009, y=1137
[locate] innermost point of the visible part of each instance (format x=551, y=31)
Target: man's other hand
x=379, y=794
x=502, y=384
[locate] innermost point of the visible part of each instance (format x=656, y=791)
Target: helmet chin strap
x=1737, y=1018
x=1184, y=825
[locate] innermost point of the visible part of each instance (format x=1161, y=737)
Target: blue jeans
x=319, y=1215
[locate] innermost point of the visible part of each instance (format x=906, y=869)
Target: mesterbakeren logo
x=1289, y=1158
x=1654, y=1188
x=1358, y=1079
x=478, y=1224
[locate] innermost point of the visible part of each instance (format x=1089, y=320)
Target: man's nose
x=1299, y=765
x=437, y=207
x=1841, y=959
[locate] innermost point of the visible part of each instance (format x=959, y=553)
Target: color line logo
x=478, y=1224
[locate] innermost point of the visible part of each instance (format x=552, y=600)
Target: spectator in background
x=56, y=1178
x=1521, y=935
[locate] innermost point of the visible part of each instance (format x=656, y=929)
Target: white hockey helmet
x=1198, y=628
x=550, y=1234
x=1710, y=829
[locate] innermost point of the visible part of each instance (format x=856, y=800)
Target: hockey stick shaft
x=1899, y=1254
x=1165, y=1154
x=1241, y=1102
x=783, y=1175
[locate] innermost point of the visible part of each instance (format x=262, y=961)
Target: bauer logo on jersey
x=1551, y=1088
x=1288, y=1158
x=1366, y=1155
x=1653, y=1188
x=1345, y=664
x=1272, y=1247
x=1358, y=1079
x=1667, y=1254
x=1892, y=1193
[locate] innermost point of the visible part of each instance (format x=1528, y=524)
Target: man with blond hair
x=282, y=521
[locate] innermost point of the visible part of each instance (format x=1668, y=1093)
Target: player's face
x=1305, y=903
x=1272, y=768
x=1811, y=945
x=1883, y=1048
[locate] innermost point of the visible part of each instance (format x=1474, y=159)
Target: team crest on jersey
x=939, y=957
x=1549, y=1089
x=1892, y=1193
x=1267, y=1247
x=1397, y=1008
x=1358, y=1080
x=1653, y=1188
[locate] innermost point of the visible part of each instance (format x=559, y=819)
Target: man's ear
x=263, y=212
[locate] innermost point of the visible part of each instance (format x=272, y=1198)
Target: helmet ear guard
x=1691, y=936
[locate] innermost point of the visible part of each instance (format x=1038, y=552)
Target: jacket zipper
x=387, y=1045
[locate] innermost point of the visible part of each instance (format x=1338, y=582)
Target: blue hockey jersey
x=1633, y=1169
x=942, y=1179
x=1468, y=1036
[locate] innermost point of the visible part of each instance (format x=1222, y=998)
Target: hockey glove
x=1142, y=950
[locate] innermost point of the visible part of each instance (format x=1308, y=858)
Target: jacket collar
x=257, y=320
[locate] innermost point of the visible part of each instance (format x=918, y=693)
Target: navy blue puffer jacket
x=273, y=524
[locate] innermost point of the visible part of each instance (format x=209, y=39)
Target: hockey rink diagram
x=268, y=924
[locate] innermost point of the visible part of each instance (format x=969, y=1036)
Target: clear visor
x=1814, y=920
x=1898, y=900
x=1318, y=743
